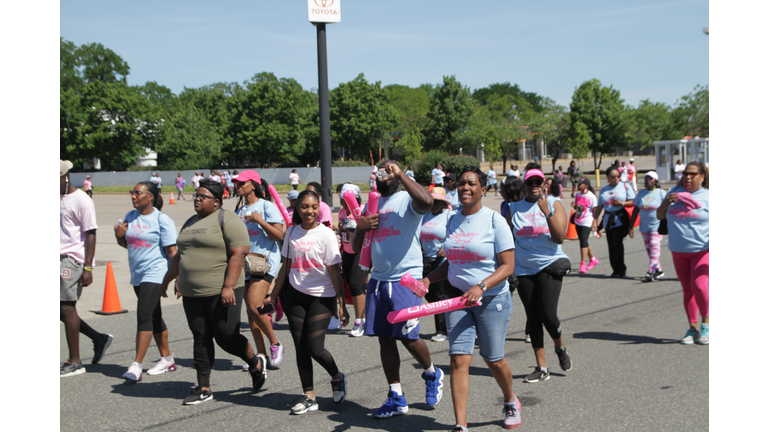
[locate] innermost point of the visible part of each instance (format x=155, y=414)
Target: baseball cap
x=631, y=159
x=533, y=173
x=292, y=195
x=652, y=174
x=349, y=186
x=451, y=176
x=247, y=175
x=64, y=167
x=585, y=181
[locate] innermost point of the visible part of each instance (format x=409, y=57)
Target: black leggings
x=308, y=319
x=583, y=233
x=353, y=274
x=149, y=316
x=436, y=292
x=540, y=294
x=615, y=237
x=209, y=319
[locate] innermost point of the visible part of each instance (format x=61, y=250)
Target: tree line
x=273, y=121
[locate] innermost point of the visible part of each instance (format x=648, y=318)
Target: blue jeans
x=489, y=321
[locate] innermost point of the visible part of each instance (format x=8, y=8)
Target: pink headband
x=533, y=173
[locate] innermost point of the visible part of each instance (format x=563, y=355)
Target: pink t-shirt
x=311, y=253
x=325, y=216
x=76, y=216
x=87, y=184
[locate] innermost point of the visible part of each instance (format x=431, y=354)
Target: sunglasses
x=690, y=174
x=534, y=182
x=202, y=197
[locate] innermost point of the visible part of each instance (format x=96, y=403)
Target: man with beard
x=395, y=250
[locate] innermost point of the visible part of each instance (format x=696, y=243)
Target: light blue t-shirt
x=621, y=192
x=491, y=177
x=471, y=245
x=689, y=229
x=648, y=201
x=452, y=196
x=395, y=248
x=260, y=241
x=146, y=236
x=535, y=248
x=432, y=233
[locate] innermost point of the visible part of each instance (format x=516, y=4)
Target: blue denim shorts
x=489, y=321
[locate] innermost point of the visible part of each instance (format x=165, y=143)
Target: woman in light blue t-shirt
x=539, y=224
x=150, y=237
x=613, y=199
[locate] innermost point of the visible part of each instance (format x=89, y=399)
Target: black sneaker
x=100, y=348
x=71, y=369
x=198, y=396
x=536, y=376
x=619, y=275
x=658, y=274
x=649, y=276
x=565, y=359
x=304, y=405
x=339, y=387
x=259, y=376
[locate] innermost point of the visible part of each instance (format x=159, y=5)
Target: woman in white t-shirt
x=583, y=204
x=294, y=179
x=679, y=168
x=311, y=261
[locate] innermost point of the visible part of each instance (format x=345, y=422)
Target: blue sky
x=646, y=49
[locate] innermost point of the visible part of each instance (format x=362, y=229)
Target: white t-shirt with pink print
x=311, y=253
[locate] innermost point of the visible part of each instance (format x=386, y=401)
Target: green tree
x=450, y=109
x=102, y=64
x=191, y=141
x=360, y=116
x=269, y=120
x=552, y=126
x=411, y=146
x=649, y=122
x=411, y=106
x=486, y=95
x=580, y=140
x=601, y=110
x=691, y=115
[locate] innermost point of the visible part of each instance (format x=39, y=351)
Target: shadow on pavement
x=177, y=390
x=352, y=415
x=628, y=339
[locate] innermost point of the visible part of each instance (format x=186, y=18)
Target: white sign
x=324, y=11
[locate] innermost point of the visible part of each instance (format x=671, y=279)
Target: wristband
x=90, y=269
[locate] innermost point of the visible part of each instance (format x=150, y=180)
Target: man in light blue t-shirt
x=395, y=250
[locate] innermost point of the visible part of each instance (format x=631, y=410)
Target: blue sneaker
x=703, y=338
x=394, y=405
x=689, y=337
x=434, y=386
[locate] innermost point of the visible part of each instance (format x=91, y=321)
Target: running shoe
x=649, y=276
x=358, y=330
x=394, y=405
x=565, y=359
x=339, y=387
x=259, y=376
x=434, y=384
x=537, y=375
x=527, y=338
x=198, y=396
x=134, y=372
x=658, y=274
x=276, y=356
x=439, y=337
x=100, y=348
x=592, y=263
x=305, y=405
x=278, y=311
x=459, y=428
x=703, y=338
x=71, y=369
x=583, y=268
x=163, y=366
x=690, y=336
x=512, y=418
x=621, y=275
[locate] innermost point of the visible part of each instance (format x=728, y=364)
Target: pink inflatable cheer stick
x=365, y=253
x=688, y=200
x=354, y=207
x=427, y=309
x=280, y=205
x=412, y=284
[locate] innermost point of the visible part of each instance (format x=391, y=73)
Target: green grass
x=190, y=189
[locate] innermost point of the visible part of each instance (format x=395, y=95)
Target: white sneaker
x=276, y=356
x=163, y=366
x=439, y=337
x=358, y=330
x=134, y=372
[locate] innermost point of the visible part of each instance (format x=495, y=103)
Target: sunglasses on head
x=537, y=181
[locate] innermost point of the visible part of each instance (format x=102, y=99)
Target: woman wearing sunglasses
x=539, y=224
x=613, y=198
x=686, y=209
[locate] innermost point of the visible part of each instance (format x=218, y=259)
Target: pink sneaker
x=583, y=268
x=278, y=311
x=592, y=263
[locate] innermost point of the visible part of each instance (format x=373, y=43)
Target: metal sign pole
x=326, y=164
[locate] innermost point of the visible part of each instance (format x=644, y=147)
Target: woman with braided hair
x=150, y=237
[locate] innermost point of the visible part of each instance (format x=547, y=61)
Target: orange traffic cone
x=571, y=233
x=172, y=201
x=111, y=304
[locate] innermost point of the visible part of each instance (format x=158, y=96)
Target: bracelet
x=90, y=269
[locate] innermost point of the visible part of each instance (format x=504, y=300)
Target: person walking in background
x=614, y=197
x=212, y=246
x=574, y=174
x=229, y=183
x=294, y=179
x=77, y=245
x=583, y=205
x=196, y=181
x=180, y=185
x=539, y=225
x=686, y=209
x=314, y=293
x=409, y=173
x=437, y=175
x=432, y=237
x=646, y=203
x=157, y=181
x=632, y=174
x=353, y=274
x=679, y=168
x=492, y=181
x=150, y=237
x=88, y=186
x=215, y=176
x=451, y=193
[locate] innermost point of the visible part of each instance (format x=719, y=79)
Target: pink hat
x=533, y=173
x=247, y=175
